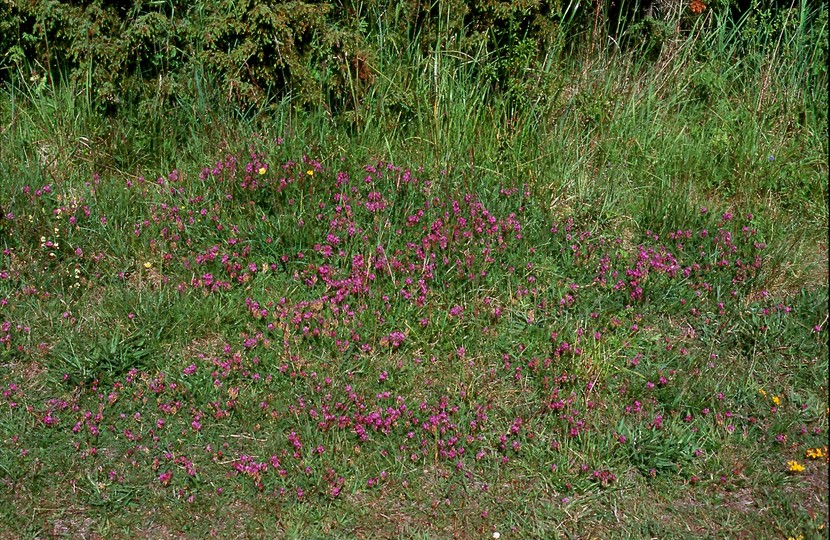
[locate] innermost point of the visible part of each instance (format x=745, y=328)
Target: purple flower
x=165, y=477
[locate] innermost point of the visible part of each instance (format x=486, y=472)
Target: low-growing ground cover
x=274, y=343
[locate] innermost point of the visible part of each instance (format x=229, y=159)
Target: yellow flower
x=776, y=400
x=795, y=466
x=148, y=265
x=761, y=391
x=816, y=453
x=799, y=537
x=262, y=170
x=310, y=172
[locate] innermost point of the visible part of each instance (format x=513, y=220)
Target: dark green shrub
x=254, y=49
x=316, y=53
x=107, y=47
x=307, y=49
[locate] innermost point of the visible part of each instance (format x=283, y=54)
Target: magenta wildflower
x=165, y=477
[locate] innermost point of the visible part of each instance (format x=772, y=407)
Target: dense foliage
x=315, y=52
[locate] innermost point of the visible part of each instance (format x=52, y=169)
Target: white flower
x=496, y=535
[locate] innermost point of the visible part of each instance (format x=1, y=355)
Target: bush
x=314, y=53
x=124, y=51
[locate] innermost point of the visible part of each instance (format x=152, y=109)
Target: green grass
x=564, y=311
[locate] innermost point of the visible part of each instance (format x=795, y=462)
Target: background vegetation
x=597, y=238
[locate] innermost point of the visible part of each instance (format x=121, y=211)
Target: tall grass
x=732, y=114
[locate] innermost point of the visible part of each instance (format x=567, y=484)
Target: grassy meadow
x=594, y=306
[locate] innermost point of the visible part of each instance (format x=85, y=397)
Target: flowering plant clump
x=794, y=466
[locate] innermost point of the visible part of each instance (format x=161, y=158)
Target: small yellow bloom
x=148, y=265
x=262, y=170
x=799, y=537
x=776, y=400
x=816, y=453
x=761, y=391
x=795, y=466
x=310, y=172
